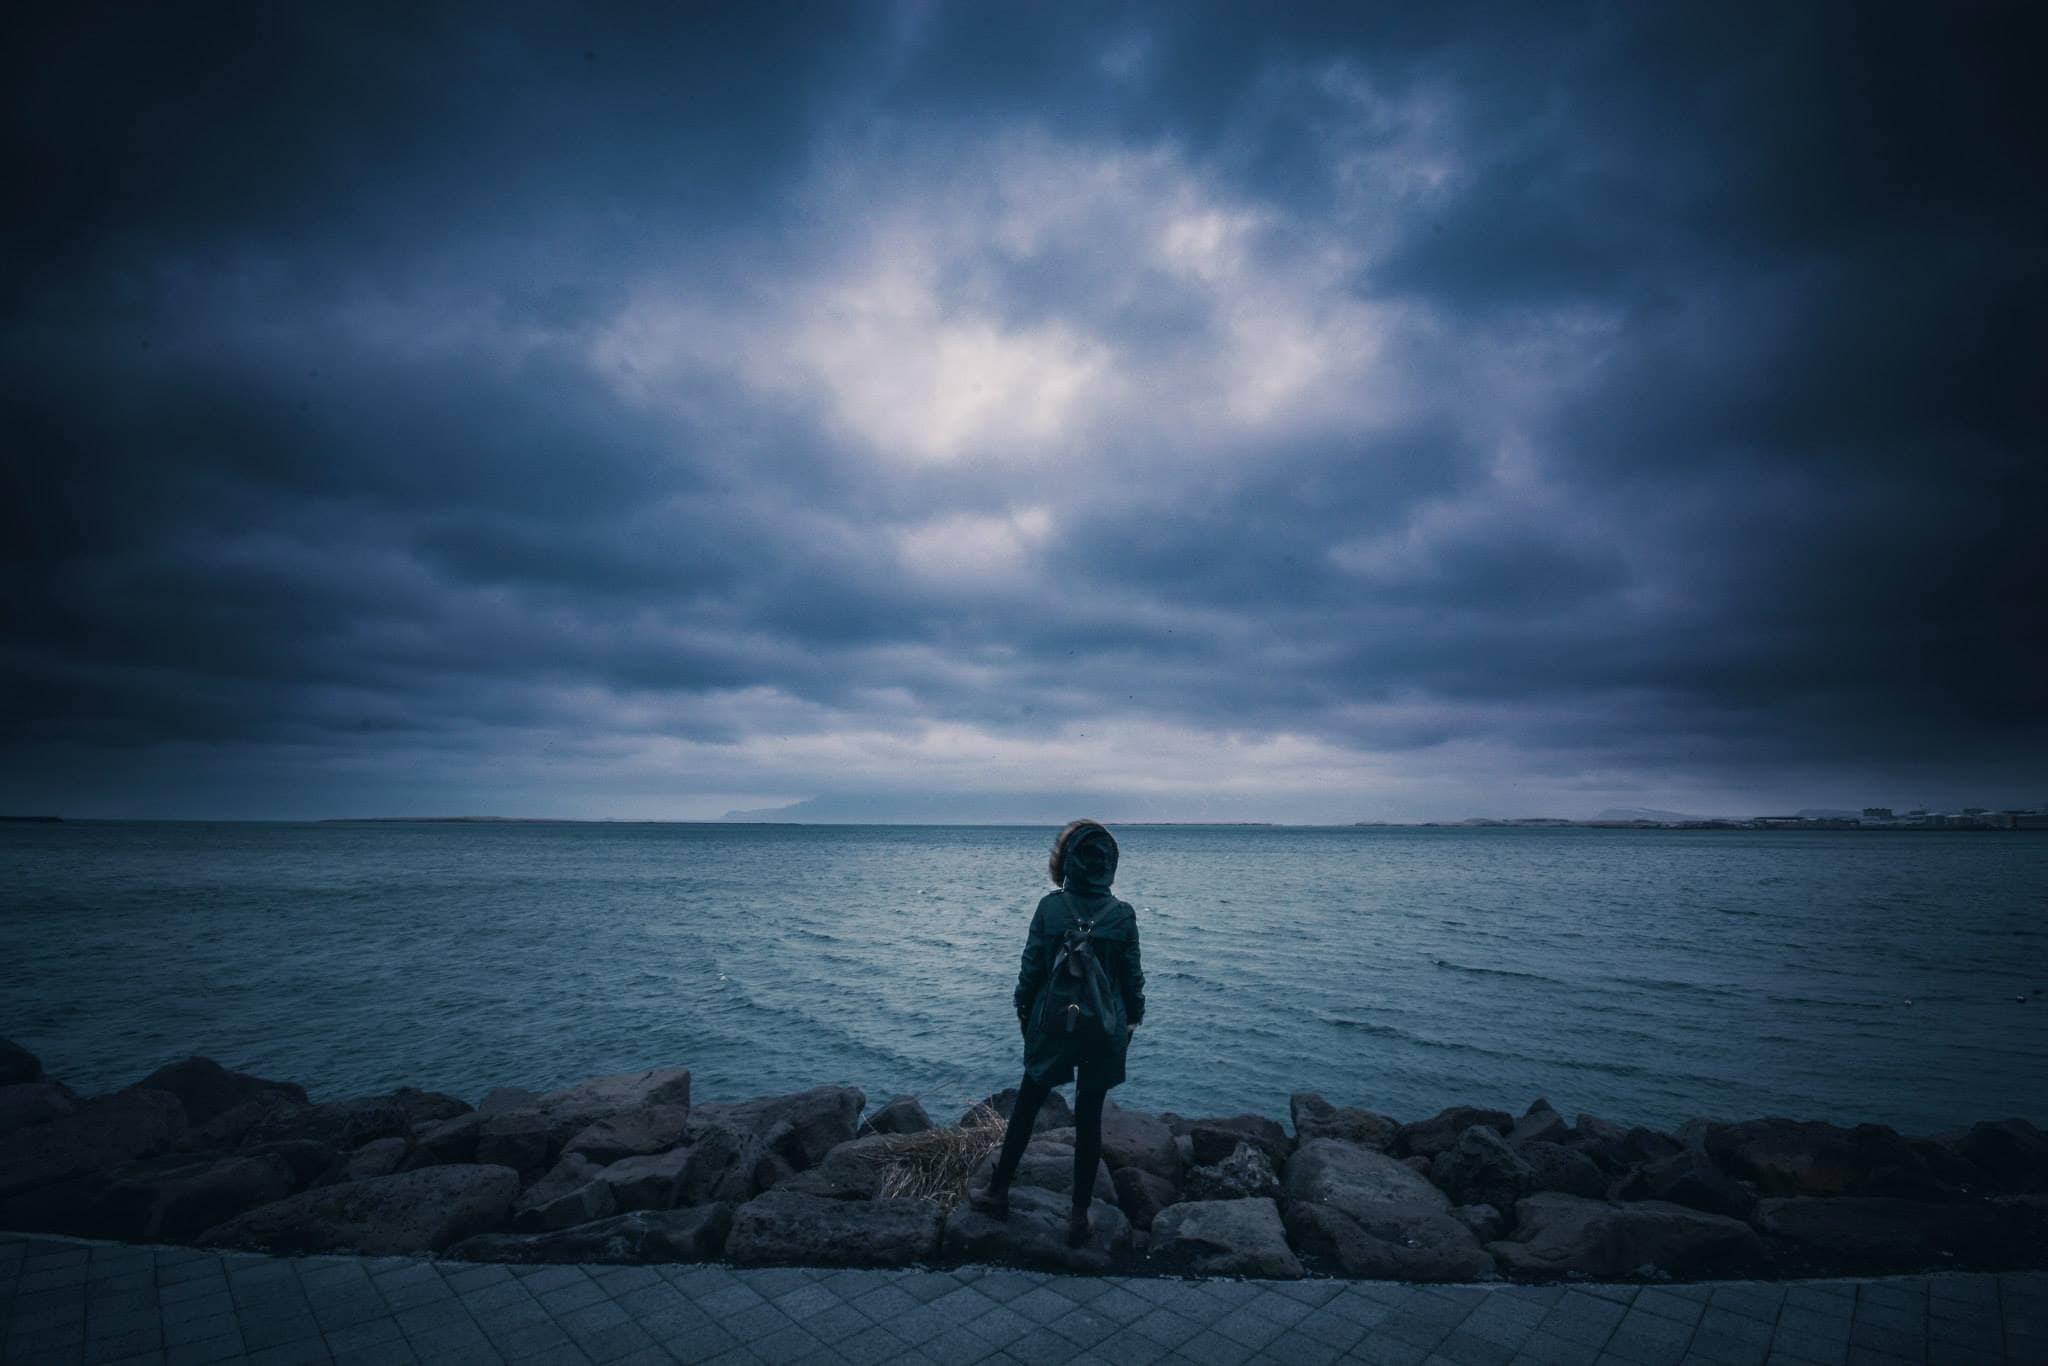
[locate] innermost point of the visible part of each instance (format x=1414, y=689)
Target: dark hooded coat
x=1089, y=867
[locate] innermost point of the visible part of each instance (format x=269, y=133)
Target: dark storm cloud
x=449, y=410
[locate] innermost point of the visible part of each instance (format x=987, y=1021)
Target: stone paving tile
x=63, y=1300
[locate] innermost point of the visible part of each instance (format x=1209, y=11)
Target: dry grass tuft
x=936, y=1164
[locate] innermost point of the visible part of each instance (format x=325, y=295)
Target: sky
x=972, y=411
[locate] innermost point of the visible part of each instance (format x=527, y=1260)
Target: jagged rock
x=34, y=1102
x=1132, y=1138
x=636, y=1133
x=452, y=1140
x=1214, y=1140
x=1541, y=1124
x=378, y=1157
x=1874, y=1233
x=810, y=1230
x=1440, y=1132
x=1418, y=1164
x=1245, y=1174
x=650, y=1182
x=18, y=1066
x=1687, y=1178
x=1055, y=1113
x=1035, y=1234
x=343, y=1124
x=417, y=1211
x=1953, y=1174
x=308, y=1158
x=1047, y=1165
x=569, y=1194
x=527, y=1130
x=1481, y=1169
x=851, y=1171
x=429, y=1107
x=1141, y=1195
x=101, y=1133
x=1693, y=1133
x=206, y=1088
x=1558, y=1168
x=1616, y=1147
x=695, y=1234
x=1224, y=1238
x=729, y=1163
x=1315, y=1117
x=902, y=1115
x=2011, y=1152
x=818, y=1120
x=1808, y=1157
x=1375, y=1216
x=1558, y=1235
x=168, y=1198
x=523, y=1140
x=248, y=1122
x=1486, y=1222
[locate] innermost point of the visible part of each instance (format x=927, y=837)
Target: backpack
x=1079, y=1002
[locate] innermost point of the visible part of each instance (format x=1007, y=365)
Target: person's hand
x=1130, y=1031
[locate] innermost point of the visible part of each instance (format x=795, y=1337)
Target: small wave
x=1496, y=972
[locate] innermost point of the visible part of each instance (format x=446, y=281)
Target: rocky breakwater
x=631, y=1168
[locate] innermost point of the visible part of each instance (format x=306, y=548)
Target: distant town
x=1869, y=818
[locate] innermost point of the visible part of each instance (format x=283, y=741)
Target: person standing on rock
x=1082, y=912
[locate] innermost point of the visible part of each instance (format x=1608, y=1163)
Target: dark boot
x=992, y=1200
x=1077, y=1228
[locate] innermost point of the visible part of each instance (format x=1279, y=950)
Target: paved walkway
x=65, y=1299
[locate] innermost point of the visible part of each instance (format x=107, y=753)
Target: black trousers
x=1087, y=1134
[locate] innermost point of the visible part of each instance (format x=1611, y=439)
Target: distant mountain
x=1645, y=813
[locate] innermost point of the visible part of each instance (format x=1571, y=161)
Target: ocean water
x=1641, y=975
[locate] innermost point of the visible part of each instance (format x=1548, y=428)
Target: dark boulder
x=451, y=1140
x=34, y=1102
x=1375, y=1216
x=378, y=1157
x=417, y=1211
x=523, y=1140
x=1132, y=1138
x=207, y=1088
x=170, y=1198
x=1224, y=1238
x=810, y=1230
x=428, y=1107
x=2011, y=1152
x=635, y=1133
x=851, y=1171
x=1141, y=1195
x=343, y=1124
x=1687, y=1178
x=1808, y=1157
x=1555, y=1167
x=1035, y=1234
x=1541, y=1124
x=308, y=1158
x=1486, y=1222
x=817, y=1120
x=902, y=1115
x=18, y=1066
x=570, y=1194
x=514, y=1116
x=651, y=1182
x=1315, y=1117
x=248, y=1122
x=1560, y=1235
x=1214, y=1140
x=1882, y=1233
x=1055, y=1113
x=1616, y=1147
x=696, y=1234
x=1244, y=1174
x=732, y=1164
x=1480, y=1168
x=1440, y=1132
x=101, y=1133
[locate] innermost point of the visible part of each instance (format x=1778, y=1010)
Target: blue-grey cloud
x=1305, y=414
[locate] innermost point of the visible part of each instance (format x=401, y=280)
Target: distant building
x=1877, y=813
